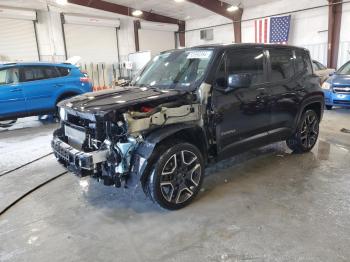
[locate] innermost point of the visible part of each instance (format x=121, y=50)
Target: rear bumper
x=78, y=162
x=336, y=99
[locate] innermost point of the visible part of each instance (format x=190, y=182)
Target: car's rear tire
x=307, y=132
x=7, y=123
x=176, y=176
x=329, y=107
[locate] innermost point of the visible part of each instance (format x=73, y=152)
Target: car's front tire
x=329, y=107
x=176, y=176
x=307, y=132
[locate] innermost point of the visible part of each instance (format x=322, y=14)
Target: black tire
x=176, y=176
x=329, y=107
x=307, y=133
x=8, y=123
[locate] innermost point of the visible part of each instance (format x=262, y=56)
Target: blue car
x=337, y=88
x=28, y=89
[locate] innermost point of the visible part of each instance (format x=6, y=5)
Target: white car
x=322, y=71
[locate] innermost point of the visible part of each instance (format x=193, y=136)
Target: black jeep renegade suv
x=188, y=108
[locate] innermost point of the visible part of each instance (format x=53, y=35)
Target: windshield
x=180, y=69
x=344, y=70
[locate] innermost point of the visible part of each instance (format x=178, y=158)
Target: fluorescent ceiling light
x=61, y=2
x=137, y=13
x=233, y=8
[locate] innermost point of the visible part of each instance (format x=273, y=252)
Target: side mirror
x=233, y=82
x=236, y=81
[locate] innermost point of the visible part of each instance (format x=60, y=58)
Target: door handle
x=16, y=90
x=218, y=117
x=59, y=85
x=262, y=94
x=262, y=91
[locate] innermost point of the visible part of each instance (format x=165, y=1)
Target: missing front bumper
x=78, y=162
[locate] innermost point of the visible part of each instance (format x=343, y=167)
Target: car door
x=242, y=116
x=12, y=101
x=39, y=84
x=285, y=86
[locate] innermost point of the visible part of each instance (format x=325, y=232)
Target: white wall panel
x=318, y=52
x=17, y=40
x=344, y=53
x=222, y=34
x=308, y=28
x=344, y=48
x=156, y=41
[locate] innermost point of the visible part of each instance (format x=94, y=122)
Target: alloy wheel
x=309, y=131
x=180, y=177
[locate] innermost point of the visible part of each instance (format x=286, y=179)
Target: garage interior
x=267, y=204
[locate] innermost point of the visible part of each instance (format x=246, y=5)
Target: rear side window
x=282, y=65
x=32, y=74
x=9, y=76
x=51, y=72
x=302, y=62
x=64, y=71
x=320, y=66
x=247, y=62
x=315, y=66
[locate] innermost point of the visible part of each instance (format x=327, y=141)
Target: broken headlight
x=63, y=114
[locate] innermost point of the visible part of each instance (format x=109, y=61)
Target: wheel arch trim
x=319, y=99
x=142, y=157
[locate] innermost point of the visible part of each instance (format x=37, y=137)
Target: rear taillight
x=85, y=80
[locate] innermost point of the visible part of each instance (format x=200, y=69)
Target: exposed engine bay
x=103, y=144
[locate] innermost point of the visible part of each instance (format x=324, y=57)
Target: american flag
x=272, y=30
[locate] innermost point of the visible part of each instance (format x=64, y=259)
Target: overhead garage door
x=157, y=37
x=18, y=42
x=156, y=41
x=94, y=44
x=95, y=41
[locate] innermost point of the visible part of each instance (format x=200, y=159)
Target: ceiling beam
x=125, y=10
x=216, y=6
x=220, y=8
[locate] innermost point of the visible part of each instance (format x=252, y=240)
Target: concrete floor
x=263, y=205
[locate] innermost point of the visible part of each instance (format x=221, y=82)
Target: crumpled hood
x=340, y=80
x=104, y=101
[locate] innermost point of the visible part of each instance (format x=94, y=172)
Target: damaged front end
x=109, y=144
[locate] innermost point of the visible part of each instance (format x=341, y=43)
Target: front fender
x=142, y=156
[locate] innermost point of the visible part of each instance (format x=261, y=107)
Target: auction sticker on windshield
x=199, y=54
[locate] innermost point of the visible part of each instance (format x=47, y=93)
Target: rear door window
x=51, y=72
x=315, y=66
x=320, y=66
x=9, y=76
x=32, y=74
x=282, y=65
x=64, y=71
x=247, y=62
